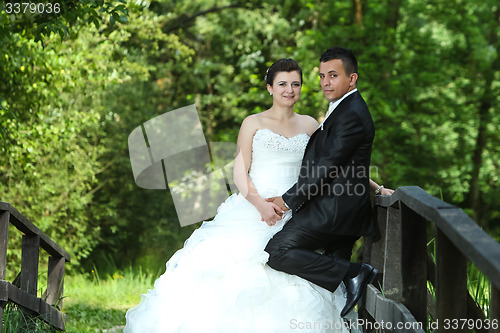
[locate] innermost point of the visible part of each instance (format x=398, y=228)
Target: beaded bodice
x=276, y=161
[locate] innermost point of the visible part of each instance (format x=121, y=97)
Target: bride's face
x=286, y=88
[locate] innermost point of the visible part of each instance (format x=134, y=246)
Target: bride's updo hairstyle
x=282, y=65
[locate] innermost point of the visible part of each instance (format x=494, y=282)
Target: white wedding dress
x=219, y=282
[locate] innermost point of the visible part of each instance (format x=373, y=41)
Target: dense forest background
x=75, y=84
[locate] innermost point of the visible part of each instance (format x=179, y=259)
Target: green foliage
x=58, y=18
x=68, y=102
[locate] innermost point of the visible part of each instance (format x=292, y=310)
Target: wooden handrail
x=479, y=247
x=24, y=225
x=400, y=254
x=25, y=294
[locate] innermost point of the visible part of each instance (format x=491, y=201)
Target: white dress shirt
x=333, y=105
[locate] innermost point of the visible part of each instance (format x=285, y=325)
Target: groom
x=331, y=201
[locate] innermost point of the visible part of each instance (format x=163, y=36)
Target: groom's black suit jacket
x=332, y=193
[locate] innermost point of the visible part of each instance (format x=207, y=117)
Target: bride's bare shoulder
x=255, y=121
x=310, y=124
x=250, y=125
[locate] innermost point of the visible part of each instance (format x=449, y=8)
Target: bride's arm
x=383, y=191
x=270, y=212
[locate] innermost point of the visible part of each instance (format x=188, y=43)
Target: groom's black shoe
x=356, y=286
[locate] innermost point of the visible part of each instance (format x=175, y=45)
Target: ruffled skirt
x=219, y=282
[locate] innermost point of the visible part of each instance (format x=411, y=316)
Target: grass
x=94, y=303
x=16, y=321
x=479, y=288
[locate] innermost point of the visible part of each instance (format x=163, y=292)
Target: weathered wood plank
x=431, y=270
x=416, y=199
x=4, y=240
x=431, y=306
x=451, y=286
x=473, y=311
x=414, y=262
x=55, y=287
x=4, y=291
x=2, y=306
x=25, y=294
x=4, y=237
x=370, y=298
x=392, y=280
x=20, y=297
x=495, y=308
x=474, y=242
x=52, y=316
x=32, y=304
x=29, y=263
x=368, y=241
x=24, y=225
x=410, y=323
x=384, y=309
x=378, y=246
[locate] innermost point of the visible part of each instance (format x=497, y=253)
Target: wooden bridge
x=23, y=291
x=407, y=220
x=399, y=298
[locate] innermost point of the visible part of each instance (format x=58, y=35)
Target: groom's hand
x=278, y=201
x=270, y=213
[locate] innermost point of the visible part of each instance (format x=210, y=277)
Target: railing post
x=451, y=282
x=414, y=263
x=23, y=291
x=4, y=238
x=55, y=280
x=374, y=254
x=378, y=246
x=2, y=306
x=495, y=308
x=29, y=263
x=392, y=281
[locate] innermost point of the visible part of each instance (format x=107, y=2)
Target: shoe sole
x=372, y=277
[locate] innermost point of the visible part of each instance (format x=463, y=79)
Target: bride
x=219, y=282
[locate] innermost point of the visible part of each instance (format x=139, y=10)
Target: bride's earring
x=270, y=93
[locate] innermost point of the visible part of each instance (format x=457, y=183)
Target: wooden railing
x=23, y=291
x=400, y=254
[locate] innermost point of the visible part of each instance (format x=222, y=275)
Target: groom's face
x=334, y=81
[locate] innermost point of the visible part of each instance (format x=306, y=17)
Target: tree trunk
x=485, y=104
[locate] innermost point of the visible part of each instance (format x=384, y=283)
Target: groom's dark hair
x=282, y=65
x=348, y=59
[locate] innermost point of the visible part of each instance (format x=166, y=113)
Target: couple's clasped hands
x=272, y=210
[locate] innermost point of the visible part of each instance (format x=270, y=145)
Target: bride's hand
x=270, y=212
x=278, y=201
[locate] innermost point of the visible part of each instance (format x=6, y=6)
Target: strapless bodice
x=276, y=161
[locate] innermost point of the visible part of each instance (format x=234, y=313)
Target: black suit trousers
x=293, y=250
